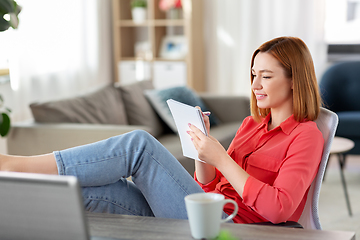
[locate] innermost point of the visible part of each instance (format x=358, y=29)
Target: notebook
x=36, y=206
x=184, y=114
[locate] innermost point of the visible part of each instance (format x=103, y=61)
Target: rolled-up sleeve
x=208, y=187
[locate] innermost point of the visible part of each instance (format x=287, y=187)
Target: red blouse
x=281, y=163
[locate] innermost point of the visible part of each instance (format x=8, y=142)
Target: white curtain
x=235, y=28
x=62, y=48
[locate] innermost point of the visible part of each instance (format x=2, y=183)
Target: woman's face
x=270, y=85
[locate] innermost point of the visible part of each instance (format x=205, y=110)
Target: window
x=342, y=24
x=5, y=38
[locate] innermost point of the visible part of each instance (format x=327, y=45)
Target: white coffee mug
x=204, y=211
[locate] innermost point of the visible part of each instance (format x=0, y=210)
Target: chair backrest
x=339, y=86
x=327, y=123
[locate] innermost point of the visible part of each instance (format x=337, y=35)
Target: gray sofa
x=111, y=111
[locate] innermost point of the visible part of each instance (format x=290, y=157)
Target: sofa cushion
x=185, y=95
x=138, y=109
x=104, y=106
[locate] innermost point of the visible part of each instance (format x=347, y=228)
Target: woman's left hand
x=209, y=149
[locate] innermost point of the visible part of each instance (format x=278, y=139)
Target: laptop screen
x=36, y=206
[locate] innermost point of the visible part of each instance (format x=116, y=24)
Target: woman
x=267, y=169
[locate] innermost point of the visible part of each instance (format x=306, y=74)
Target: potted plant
x=138, y=10
x=9, y=11
x=173, y=8
x=4, y=118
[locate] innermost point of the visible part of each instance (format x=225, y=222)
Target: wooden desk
x=340, y=146
x=139, y=228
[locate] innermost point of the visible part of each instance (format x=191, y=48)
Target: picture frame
x=173, y=47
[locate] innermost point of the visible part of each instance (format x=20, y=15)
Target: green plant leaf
x=4, y=25
x=13, y=9
x=139, y=3
x=6, y=6
x=4, y=125
x=225, y=235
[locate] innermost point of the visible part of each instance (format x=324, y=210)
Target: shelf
x=150, y=23
x=136, y=59
x=131, y=23
x=169, y=22
x=169, y=60
x=4, y=72
x=148, y=37
x=152, y=60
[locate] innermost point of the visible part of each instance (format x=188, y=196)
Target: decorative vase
x=138, y=14
x=174, y=13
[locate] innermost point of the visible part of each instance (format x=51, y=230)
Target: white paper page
x=184, y=114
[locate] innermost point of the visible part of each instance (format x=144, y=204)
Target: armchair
x=340, y=87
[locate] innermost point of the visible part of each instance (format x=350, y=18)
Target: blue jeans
x=159, y=185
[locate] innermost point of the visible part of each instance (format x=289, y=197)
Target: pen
x=207, y=113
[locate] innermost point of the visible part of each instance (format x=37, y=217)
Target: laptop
x=37, y=206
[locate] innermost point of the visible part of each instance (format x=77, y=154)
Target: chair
x=309, y=219
x=340, y=87
x=327, y=123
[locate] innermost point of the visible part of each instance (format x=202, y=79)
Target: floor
x=332, y=205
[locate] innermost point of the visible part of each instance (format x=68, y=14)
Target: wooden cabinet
x=143, y=42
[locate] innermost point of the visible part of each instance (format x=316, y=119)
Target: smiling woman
x=267, y=170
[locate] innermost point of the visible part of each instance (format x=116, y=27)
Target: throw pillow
x=103, y=106
x=138, y=109
x=185, y=95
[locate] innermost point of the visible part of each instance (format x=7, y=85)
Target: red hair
x=295, y=58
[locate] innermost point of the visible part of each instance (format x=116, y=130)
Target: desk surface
x=133, y=227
